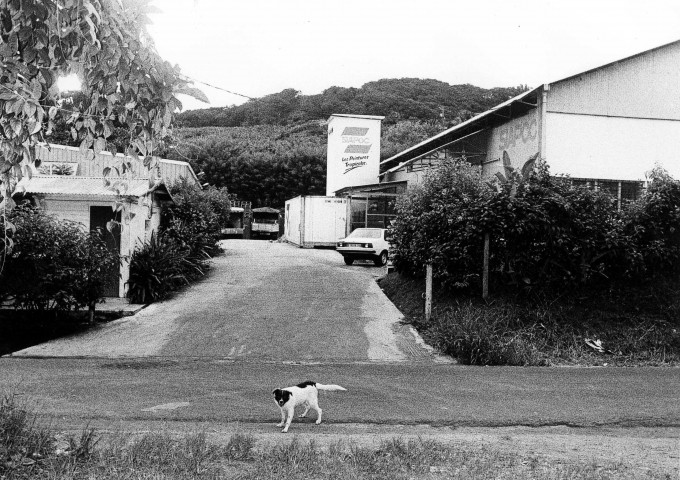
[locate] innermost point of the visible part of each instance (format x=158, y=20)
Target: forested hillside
x=395, y=99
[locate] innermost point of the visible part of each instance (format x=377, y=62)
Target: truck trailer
x=315, y=221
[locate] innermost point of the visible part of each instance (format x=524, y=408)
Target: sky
x=260, y=47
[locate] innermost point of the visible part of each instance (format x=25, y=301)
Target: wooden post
x=428, y=292
x=485, y=273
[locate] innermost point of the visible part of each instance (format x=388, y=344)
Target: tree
x=123, y=78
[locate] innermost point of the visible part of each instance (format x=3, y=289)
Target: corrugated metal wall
x=171, y=170
x=646, y=86
x=618, y=121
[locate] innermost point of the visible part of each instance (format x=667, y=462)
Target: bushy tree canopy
x=124, y=80
x=545, y=232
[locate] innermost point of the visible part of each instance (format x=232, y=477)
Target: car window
x=366, y=233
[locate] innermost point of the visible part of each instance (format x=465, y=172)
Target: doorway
x=99, y=217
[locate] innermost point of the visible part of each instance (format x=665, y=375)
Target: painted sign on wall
x=518, y=137
x=353, y=151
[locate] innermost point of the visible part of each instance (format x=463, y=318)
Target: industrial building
x=605, y=127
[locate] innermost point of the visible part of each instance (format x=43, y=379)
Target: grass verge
x=30, y=452
x=638, y=326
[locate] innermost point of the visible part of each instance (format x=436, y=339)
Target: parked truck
x=265, y=222
x=315, y=221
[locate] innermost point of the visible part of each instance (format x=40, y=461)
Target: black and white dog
x=305, y=393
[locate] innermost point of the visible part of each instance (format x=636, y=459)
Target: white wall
x=609, y=147
x=292, y=219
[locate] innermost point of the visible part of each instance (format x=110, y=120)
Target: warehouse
x=605, y=127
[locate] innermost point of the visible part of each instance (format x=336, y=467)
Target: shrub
x=159, y=267
x=442, y=221
x=553, y=234
x=54, y=265
x=189, y=235
x=196, y=218
x=653, y=226
x=545, y=233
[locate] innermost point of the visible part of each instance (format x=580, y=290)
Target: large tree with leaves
x=124, y=80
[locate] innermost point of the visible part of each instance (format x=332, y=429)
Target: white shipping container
x=315, y=221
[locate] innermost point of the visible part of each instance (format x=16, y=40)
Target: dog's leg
x=304, y=414
x=314, y=403
x=290, y=412
x=283, y=418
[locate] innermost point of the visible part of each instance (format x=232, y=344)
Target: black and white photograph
x=339, y=240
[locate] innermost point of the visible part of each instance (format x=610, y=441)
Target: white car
x=365, y=244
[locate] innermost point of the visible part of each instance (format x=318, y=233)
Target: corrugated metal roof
x=90, y=186
x=265, y=210
x=452, y=133
x=347, y=115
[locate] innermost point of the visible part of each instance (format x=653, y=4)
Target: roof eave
x=429, y=144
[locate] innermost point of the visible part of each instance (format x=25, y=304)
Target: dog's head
x=281, y=396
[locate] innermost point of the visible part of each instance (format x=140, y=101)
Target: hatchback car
x=365, y=244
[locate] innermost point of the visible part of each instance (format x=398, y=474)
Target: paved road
x=264, y=301
x=217, y=391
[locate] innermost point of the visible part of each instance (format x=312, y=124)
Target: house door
x=99, y=217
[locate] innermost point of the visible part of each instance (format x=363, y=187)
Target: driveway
x=265, y=301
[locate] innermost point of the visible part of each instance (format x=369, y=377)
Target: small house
x=70, y=187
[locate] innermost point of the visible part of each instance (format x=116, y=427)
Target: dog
x=305, y=393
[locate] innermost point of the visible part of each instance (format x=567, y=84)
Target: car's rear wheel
x=381, y=260
x=349, y=260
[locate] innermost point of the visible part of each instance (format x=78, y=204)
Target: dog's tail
x=331, y=388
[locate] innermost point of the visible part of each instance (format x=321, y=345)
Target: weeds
x=638, y=326
x=30, y=452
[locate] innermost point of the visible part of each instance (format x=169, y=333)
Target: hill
x=396, y=99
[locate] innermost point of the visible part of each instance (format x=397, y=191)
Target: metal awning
x=86, y=186
x=522, y=102
x=265, y=210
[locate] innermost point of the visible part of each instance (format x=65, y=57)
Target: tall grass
x=31, y=452
x=637, y=326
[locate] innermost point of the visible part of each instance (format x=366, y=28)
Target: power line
x=217, y=88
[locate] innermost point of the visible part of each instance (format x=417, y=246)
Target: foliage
x=159, y=267
x=189, y=235
x=545, y=232
x=103, y=41
x=30, y=451
x=196, y=219
x=555, y=234
x=638, y=324
x=53, y=264
x=397, y=99
x=265, y=165
x=653, y=226
x=441, y=222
